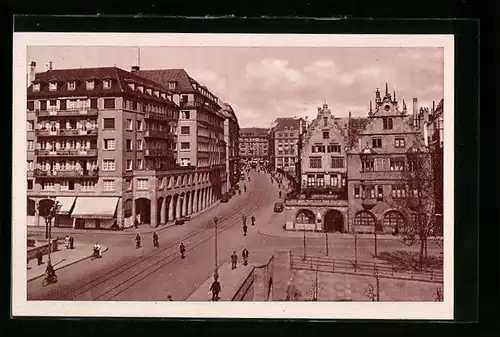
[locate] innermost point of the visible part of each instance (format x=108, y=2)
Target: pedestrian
x=245, y=229
x=66, y=241
x=136, y=223
x=182, y=250
x=155, y=240
x=244, y=254
x=137, y=241
x=244, y=218
x=279, y=194
x=253, y=220
x=169, y=298
x=234, y=260
x=71, y=242
x=215, y=289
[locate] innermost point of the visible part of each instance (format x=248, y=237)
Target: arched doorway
x=159, y=205
x=305, y=216
x=393, y=222
x=174, y=206
x=31, y=207
x=364, y=222
x=333, y=221
x=143, y=210
x=182, y=200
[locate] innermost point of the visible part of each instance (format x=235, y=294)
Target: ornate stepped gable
x=318, y=124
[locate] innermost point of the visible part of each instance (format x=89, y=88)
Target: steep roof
x=163, y=76
x=254, y=132
x=228, y=111
x=287, y=123
x=119, y=85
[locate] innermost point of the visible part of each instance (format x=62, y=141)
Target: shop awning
x=95, y=207
x=66, y=204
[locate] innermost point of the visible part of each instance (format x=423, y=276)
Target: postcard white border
x=311, y=310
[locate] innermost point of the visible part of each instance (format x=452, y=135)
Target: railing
x=158, y=134
x=155, y=115
x=71, y=153
x=157, y=152
x=67, y=132
x=67, y=112
x=39, y=173
x=363, y=268
x=189, y=104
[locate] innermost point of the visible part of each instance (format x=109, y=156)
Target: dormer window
x=53, y=86
x=141, y=88
x=89, y=85
x=163, y=95
x=172, y=85
x=157, y=93
x=71, y=85
x=148, y=91
x=107, y=84
x=131, y=86
x=36, y=87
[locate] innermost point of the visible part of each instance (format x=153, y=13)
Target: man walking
x=155, y=240
x=215, y=289
x=245, y=229
x=244, y=254
x=234, y=260
x=182, y=250
x=137, y=241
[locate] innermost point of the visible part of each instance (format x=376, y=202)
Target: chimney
x=433, y=106
x=415, y=111
x=426, y=134
x=135, y=68
x=32, y=72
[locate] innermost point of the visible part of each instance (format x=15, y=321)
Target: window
x=139, y=145
x=129, y=125
x=64, y=185
x=53, y=86
x=107, y=84
x=326, y=135
x=53, y=102
x=30, y=106
x=185, y=161
x=140, y=164
x=369, y=192
x=185, y=145
x=325, y=121
x=357, y=191
x=376, y=142
x=184, y=114
x=129, y=164
x=93, y=103
x=128, y=187
x=397, y=164
x=63, y=104
x=364, y=219
x=128, y=144
x=318, y=149
x=109, y=103
x=89, y=85
x=185, y=130
x=139, y=125
x=108, y=123
x=48, y=186
x=399, y=142
x=30, y=125
x=108, y=165
x=367, y=165
x=87, y=185
x=334, y=148
x=71, y=85
x=36, y=87
x=387, y=123
x=142, y=184
x=30, y=165
x=398, y=191
x=30, y=145
x=315, y=162
x=30, y=184
x=171, y=85
x=43, y=105
x=320, y=180
x=380, y=192
x=337, y=162
x=412, y=165
x=109, y=184
x=109, y=144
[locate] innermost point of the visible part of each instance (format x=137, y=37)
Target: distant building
x=284, y=138
x=231, y=138
x=254, y=144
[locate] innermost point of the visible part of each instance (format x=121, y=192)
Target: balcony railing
x=39, y=173
x=158, y=152
x=189, y=104
x=66, y=132
x=158, y=134
x=154, y=115
x=66, y=112
x=67, y=153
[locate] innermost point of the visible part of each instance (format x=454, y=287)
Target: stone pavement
x=60, y=259
x=230, y=281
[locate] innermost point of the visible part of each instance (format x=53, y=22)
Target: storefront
x=94, y=212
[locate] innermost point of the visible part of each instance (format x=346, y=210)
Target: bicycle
x=48, y=280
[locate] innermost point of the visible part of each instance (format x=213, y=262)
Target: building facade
x=284, y=137
x=322, y=203
x=231, y=138
x=254, y=144
x=200, y=130
x=101, y=142
x=377, y=166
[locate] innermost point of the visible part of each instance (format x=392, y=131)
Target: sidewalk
x=230, y=281
x=60, y=259
x=142, y=229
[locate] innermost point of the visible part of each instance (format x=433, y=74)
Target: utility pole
x=375, y=233
x=355, y=252
x=378, y=285
x=304, y=229
x=326, y=243
x=216, y=270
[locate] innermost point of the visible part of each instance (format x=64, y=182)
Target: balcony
x=66, y=112
x=158, y=134
x=84, y=174
x=157, y=116
x=159, y=152
x=189, y=104
x=67, y=153
x=66, y=132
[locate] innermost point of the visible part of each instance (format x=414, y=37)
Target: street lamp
x=52, y=214
x=216, y=271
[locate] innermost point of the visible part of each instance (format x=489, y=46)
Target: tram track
x=156, y=258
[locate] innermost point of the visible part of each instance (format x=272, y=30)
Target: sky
x=263, y=83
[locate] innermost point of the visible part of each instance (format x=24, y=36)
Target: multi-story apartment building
x=322, y=201
x=284, y=137
x=254, y=144
x=231, y=137
x=201, y=123
x=377, y=163
x=101, y=142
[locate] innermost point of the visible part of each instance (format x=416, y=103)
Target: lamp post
x=216, y=271
x=304, y=230
x=52, y=215
x=326, y=241
x=355, y=251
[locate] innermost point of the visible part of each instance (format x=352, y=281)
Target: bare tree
x=356, y=125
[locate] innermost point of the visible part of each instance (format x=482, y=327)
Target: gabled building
x=284, y=139
x=254, y=144
x=377, y=163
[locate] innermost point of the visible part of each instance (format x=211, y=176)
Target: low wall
x=44, y=249
x=258, y=284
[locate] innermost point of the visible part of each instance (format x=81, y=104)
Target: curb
x=105, y=248
x=343, y=237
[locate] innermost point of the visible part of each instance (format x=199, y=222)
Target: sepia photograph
x=164, y=172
